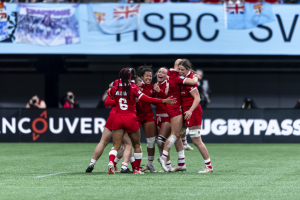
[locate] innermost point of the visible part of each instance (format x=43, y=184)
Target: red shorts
x=127, y=122
x=110, y=121
x=146, y=119
x=196, y=118
x=161, y=118
x=173, y=110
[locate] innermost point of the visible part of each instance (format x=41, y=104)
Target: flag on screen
x=3, y=22
x=116, y=19
x=247, y=15
x=47, y=26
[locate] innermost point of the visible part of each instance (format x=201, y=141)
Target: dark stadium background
x=270, y=80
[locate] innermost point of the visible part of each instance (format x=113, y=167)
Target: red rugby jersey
x=186, y=98
x=161, y=108
x=175, y=81
x=144, y=108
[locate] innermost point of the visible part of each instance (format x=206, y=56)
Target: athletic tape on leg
x=172, y=140
x=195, y=133
x=150, y=142
x=121, y=151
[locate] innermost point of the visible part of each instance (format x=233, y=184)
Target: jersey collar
x=188, y=73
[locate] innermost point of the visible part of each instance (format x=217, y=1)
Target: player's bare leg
x=138, y=154
x=117, y=142
x=197, y=140
x=163, y=134
x=176, y=125
x=105, y=138
x=127, y=154
x=186, y=146
x=150, y=133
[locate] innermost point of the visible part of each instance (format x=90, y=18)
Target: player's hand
x=188, y=115
x=169, y=100
x=196, y=76
x=156, y=88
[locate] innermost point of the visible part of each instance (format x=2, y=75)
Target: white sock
x=117, y=160
x=124, y=165
x=132, y=159
x=150, y=160
x=93, y=162
x=164, y=154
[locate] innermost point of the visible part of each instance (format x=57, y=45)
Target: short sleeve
x=192, y=88
x=137, y=92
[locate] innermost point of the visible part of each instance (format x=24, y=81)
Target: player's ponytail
x=125, y=75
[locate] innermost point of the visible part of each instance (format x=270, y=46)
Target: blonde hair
x=160, y=69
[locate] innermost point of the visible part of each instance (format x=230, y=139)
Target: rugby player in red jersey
x=146, y=116
x=190, y=99
x=175, y=80
x=125, y=94
x=106, y=136
x=162, y=118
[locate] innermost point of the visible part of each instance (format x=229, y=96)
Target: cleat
x=138, y=172
x=171, y=169
x=161, y=171
x=163, y=164
x=206, y=170
x=187, y=147
x=179, y=168
x=89, y=169
x=125, y=171
x=149, y=167
x=111, y=168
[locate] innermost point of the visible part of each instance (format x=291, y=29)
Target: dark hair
x=187, y=65
x=133, y=74
x=143, y=69
x=124, y=75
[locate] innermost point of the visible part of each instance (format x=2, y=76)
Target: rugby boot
x=138, y=172
x=89, y=169
x=206, y=170
x=179, y=168
x=150, y=168
x=111, y=168
x=125, y=171
x=187, y=147
x=163, y=164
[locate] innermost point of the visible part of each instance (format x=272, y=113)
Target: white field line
x=50, y=174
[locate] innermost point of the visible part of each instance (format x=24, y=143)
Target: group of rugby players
x=176, y=98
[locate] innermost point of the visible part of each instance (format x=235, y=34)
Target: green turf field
x=241, y=171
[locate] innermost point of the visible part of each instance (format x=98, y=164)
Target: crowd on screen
x=154, y=1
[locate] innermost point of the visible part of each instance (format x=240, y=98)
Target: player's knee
x=195, y=133
x=160, y=140
x=150, y=142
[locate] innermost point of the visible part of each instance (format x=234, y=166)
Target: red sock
x=112, y=155
x=137, y=164
x=138, y=160
x=133, y=164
